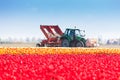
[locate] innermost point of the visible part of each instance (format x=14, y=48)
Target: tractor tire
x=65, y=43
x=38, y=45
x=83, y=45
x=72, y=44
x=79, y=44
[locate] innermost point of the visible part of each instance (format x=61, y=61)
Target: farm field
x=30, y=63
x=18, y=45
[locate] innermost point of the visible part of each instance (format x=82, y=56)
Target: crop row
x=53, y=50
x=60, y=67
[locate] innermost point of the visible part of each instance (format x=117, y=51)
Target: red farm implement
x=52, y=33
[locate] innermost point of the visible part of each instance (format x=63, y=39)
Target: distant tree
x=99, y=40
x=39, y=39
x=0, y=40
x=33, y=39
x=108, y=41
x=27, y=39
x=10, y=39
x=119, y=41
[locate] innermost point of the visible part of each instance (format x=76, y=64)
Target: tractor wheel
x=72, y=44
x=83, y=45
x=37, y=45
x=79, y=44
x=65, y=43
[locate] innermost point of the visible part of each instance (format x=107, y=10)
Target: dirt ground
x=110, y=46
x=34, y=45
x=18, y=45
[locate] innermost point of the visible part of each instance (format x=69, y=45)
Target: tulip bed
x=59, y=50
x=59, y=64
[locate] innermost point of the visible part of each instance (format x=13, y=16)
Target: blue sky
x=22, y=18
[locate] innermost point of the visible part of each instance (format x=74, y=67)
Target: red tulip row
x=60, y=67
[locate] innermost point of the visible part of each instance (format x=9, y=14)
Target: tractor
x=73, y=38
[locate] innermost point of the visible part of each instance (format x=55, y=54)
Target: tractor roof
x=71, y=29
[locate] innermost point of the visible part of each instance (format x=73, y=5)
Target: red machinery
x=52, y=33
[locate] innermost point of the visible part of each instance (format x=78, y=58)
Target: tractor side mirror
x=82, y=33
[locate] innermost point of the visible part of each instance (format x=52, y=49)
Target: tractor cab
x=74, y=33
x=73, y=38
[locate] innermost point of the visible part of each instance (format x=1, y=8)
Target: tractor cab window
x=77, y=33
x=80, y=33
x=71, y=32
x=66, y=31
